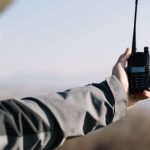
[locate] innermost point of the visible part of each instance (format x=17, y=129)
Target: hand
x=119, y=69
x=120, y=73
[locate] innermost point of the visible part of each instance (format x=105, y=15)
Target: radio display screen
x=137, y=69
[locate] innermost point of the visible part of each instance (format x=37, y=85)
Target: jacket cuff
x=119, y=95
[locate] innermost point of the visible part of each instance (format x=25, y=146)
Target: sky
x=67, y=43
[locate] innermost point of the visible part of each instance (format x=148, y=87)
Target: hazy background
x=51, y=45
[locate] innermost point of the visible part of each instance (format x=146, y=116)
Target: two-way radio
x=138, y=65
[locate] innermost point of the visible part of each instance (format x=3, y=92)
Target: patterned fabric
x=44, y=122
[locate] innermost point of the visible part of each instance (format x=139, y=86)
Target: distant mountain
x=23, y=84
x=35, y=83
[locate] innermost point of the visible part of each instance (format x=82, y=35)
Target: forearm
x=22, y=128
x=81, y=110
x=45, y=121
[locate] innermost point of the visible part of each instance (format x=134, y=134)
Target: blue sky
x=63, y=43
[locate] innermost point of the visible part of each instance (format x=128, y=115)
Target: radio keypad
x=138, y=81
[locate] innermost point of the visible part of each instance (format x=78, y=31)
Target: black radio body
x=138, y=65
x=138, y=71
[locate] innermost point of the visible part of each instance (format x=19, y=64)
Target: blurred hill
x=130, y=133
x=26, y=84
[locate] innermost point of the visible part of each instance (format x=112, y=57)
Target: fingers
x=146, y=94
x=125, y=55
x=121, y=63
x=119, y=70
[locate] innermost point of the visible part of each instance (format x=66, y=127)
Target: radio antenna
x=134, y=31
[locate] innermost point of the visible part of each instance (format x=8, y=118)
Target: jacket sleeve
x=45, y=121
x=80, y=110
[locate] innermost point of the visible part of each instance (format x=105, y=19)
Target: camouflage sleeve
x=46, y=121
